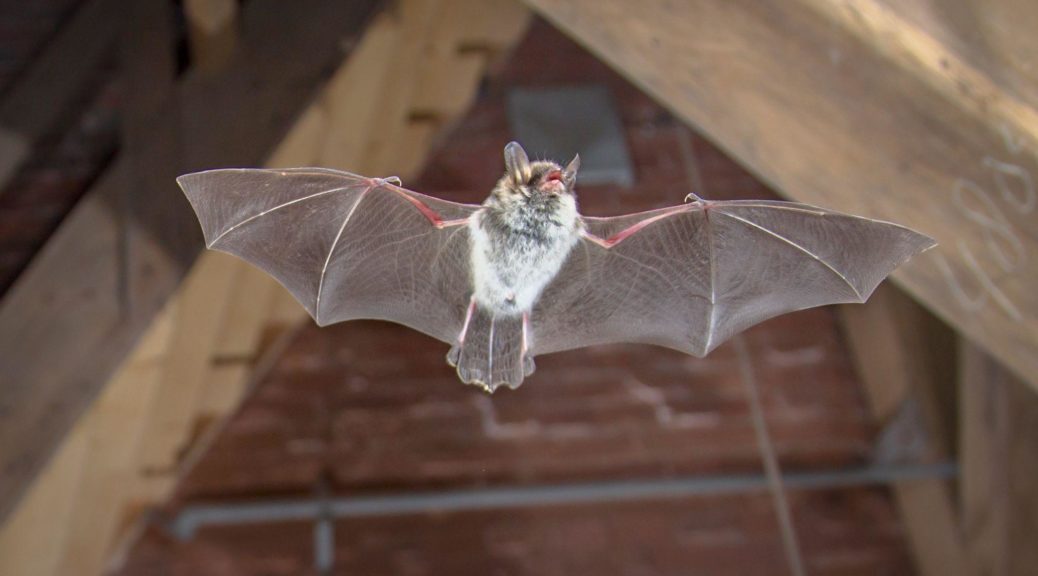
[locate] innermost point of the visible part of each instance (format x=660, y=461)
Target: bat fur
x=525, y=274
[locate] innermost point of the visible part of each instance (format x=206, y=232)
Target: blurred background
x=165, y=411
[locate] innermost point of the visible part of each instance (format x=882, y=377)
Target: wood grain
x=999, y=461
x=212, y=32
x=70, y=317
x=198, y=358
x=905, y=359
x=987, y=35
x=851, y=106
x=60, y=74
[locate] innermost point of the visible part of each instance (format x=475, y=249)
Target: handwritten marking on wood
x=1003, y=244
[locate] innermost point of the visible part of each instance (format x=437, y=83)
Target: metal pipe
x=191, y=518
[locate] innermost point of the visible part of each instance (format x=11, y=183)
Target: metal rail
x=192, y=518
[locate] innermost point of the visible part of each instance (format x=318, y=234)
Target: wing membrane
x=691, y=276
x=345, y=246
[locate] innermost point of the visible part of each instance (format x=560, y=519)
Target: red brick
x=373, y=407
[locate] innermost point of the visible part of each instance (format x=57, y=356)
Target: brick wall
x=368, y=407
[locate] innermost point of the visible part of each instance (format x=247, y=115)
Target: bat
x=525, y=274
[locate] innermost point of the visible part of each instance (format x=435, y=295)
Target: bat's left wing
x=345, y=246
x=689, y=277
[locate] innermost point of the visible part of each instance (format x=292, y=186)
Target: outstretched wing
x=345, y=246
x=690, y=277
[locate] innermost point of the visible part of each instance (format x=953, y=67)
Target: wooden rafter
x=60, y=75
x=861, y=106
x=92, y=290
x=195, y=362
x=212, y=30
x=998, y=438
x=905, y=359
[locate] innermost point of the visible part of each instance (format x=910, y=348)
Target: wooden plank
x=901, y=350
x=155, y=248
x=31, y=542
x=850, y=106
x=197, y=360
x=905, y=359
x=59, y=75
x=354, y=93
x=212, y=31
x=201, y=304
x=65, y=524
x=998, y=462
x=493, y=26
x=246, y=314
x=65, y=325
x=383, y=147
x=461, y=44
x=45, y=358
x=114, y=428
x=14, y=148
x=991, y=36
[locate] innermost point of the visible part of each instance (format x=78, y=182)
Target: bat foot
x=528, y=366
x=478, y=379
x=490, y=353
x=470, y=375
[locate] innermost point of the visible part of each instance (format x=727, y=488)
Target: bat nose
x=555, y=187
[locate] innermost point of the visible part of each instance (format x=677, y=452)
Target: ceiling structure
x=371, y=409
x=614, y=459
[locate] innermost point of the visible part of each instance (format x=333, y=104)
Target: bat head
x=525, y=179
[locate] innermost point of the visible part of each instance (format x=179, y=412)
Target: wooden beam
x=196, y=362
x=999, y=464
x=31, y=542
x=905, y=359
x=212, y=31
x=201, y=304
x=155, y=236
x=852, y=106
x=69, y=320
x=114, y=429
x=980, y=33
x=59, y=75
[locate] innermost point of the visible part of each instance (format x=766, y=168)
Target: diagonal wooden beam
x=212, y=31
x=196, y=361
x=998, y=463
x=855, y=106
x=59, y=75
x=905, y=359
x=70, y=319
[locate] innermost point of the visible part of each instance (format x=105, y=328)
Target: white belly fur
x=510, y=280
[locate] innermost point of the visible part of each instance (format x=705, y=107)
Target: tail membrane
x=491, y=353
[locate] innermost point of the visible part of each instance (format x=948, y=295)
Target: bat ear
x=517, y=163
x=572, y=168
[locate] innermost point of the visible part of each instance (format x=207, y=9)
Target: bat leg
x=528, y=364
x=454, y=354
x=489, y=352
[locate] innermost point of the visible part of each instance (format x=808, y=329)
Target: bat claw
x=394, y=180
x=692, y=197
x=528, y=366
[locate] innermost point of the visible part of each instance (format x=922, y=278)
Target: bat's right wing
x=345, y=246
x=690, y=277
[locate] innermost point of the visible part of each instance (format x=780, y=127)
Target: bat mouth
x=553, y=182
